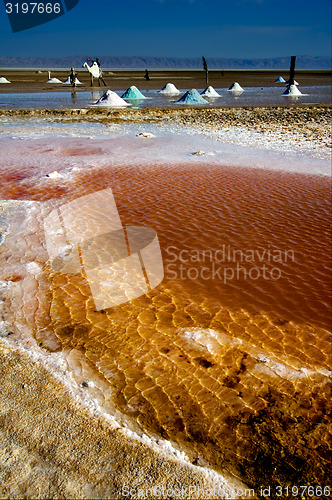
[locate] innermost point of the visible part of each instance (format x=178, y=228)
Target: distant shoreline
x=36, y=80
x=198, y=70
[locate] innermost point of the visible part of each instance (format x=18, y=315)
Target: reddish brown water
x=210, y=392
x=216, y=211
x=228, y=221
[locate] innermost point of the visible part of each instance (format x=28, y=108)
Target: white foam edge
x=56, y=365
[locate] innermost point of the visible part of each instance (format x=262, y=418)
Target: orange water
x=210, y=392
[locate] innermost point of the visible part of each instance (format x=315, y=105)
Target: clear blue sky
x=183, y=28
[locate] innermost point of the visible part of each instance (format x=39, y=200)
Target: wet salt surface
x=252, y=96
x=207, y=343
x=192, y=358
x=116, y=143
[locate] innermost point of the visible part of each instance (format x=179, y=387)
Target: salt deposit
x=235, y=87
x=133, y=93
x=292, y=90
x=280, y=79
x=52, y=80
x=54, y=175
x=210, y=92
x=111, y=99
x=192, y=97
x=68, y=82
x=4, y=80
x=147, y=135
x=169, y=89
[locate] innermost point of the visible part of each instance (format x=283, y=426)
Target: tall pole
x=205, y=66
x=292, y=71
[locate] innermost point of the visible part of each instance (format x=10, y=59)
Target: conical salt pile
x=192, y=97
x=54, y=80
x=280, y=79
x=68, y=82
x=292, y=90
x=169, y=89
x=235, y=87
x=210, y=92
x=133, y=93
x=111, y=99
x=294, y=82
x=4, y=80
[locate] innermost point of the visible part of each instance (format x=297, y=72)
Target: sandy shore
x=53, y=447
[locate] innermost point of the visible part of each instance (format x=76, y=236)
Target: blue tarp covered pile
x=280, y=79
x=133, y=93
x=192, y=97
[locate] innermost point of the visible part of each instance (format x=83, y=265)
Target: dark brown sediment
x=34, y=81
x=235, y=373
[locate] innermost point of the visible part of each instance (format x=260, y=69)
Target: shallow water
x=252, y=96
x=229, y=356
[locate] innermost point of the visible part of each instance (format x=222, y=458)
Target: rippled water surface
x=226, y=355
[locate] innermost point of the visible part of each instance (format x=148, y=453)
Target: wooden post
x=292, y=71
x=206, y=69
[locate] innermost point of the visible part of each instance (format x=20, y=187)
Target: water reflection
x=251, y=96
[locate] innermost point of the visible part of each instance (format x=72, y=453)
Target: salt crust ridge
x=56, y=365
x=207, y=338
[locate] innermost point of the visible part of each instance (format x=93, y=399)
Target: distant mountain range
x=137, y=62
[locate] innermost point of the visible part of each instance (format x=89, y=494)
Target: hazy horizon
x=168, y=63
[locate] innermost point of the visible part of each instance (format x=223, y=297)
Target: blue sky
x=182, y=28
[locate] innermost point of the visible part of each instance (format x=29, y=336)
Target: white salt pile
x=68, y=82
x=210, y=92
x=235, y=87
x=4, y=80
x=292, y=90
x=52, y=80
x=147, y=135
x=54, y=175
x=169, y=89
x=111, y=99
